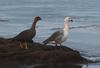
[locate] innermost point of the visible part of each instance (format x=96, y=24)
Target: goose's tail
x=1, y=38
x=45, y=42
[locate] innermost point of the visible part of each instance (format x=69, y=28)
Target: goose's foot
x=26, y=46
x=23, y=45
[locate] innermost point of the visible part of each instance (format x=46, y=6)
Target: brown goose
x=60, y=36
x=27, y=35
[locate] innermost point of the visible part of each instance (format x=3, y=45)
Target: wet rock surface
x=44, y=56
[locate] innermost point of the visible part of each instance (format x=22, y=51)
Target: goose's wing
x=55, y=36
x=58, y=38
x=25, y=35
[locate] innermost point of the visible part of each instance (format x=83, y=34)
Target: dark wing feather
x=25, y=35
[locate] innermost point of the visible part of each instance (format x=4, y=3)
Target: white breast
x=64, y=36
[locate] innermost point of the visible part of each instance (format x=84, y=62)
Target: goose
x=27, y=35
x=59, y=36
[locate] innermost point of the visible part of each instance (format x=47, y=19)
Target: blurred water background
x=17, y=15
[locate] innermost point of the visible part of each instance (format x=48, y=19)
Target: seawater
x=17, y=15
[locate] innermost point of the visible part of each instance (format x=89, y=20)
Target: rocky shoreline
x=43, y=56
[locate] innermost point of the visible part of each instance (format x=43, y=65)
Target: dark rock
x=57, y=65
x=40, y=66
x=38, y=53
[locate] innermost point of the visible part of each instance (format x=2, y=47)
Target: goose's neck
x=34, y=25
x=66, y=26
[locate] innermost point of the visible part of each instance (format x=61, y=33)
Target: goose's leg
x=26, y=46
x=60, y=44
x=56, y=44
x=21, y=45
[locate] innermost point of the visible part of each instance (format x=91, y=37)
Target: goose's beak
x=40, y=18
x=71, y=20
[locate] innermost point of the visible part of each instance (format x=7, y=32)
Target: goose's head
x=68, y=19
x=37, y=18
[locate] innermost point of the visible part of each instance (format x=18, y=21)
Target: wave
x=88, y=26
x=80, y=27
x=4, y=20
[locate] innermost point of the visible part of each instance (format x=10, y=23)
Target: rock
x=38, y=53
x=57, y=65
x=40, y=66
